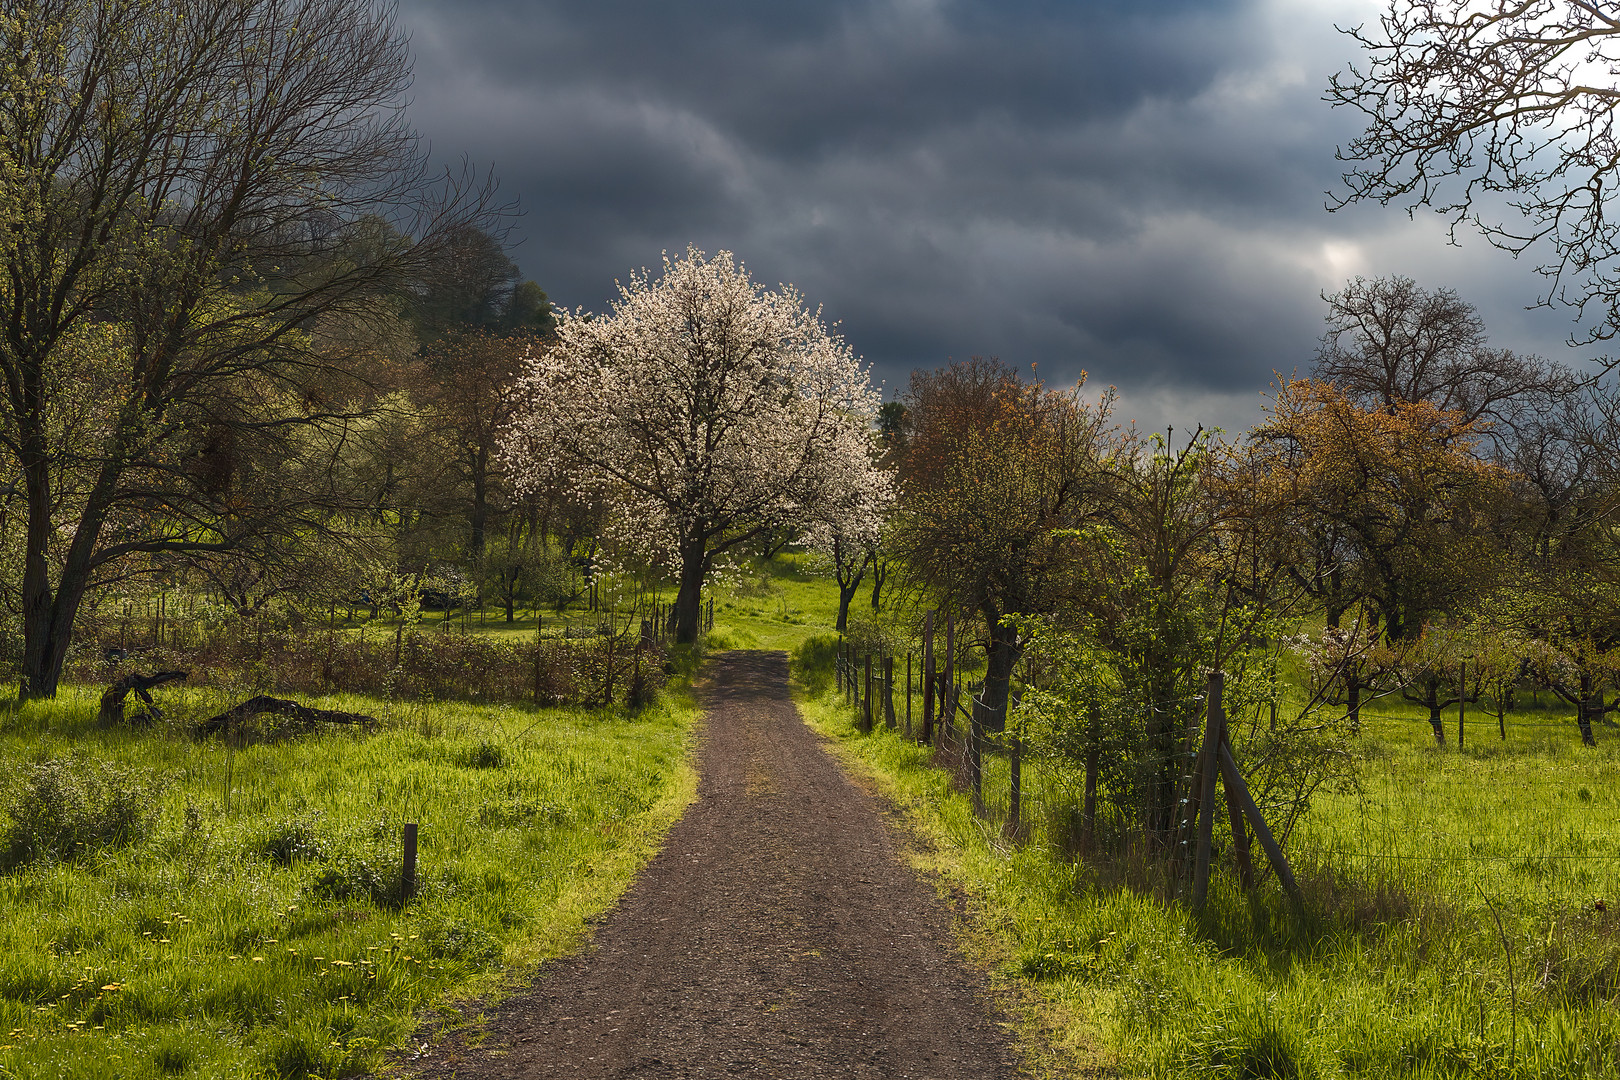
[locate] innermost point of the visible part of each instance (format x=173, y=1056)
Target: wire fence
x=1021, y=798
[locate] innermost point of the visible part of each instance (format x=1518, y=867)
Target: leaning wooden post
x=1237, y=789
x=928, y=679
x=1214, y=732
x=1240, y=842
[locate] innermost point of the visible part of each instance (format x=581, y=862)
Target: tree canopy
x=706, y=411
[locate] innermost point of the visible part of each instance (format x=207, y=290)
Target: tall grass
x=255, y=927
x=1398, y=968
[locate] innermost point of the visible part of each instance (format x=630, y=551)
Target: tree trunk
x=479, y=518
x=1001, y=659
x=846, y=593
x=1352, y=692
x=48, y=614
x=689, y=600
x=1591, y=705
x=1438, y=725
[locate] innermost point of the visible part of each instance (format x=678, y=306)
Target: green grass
x=255, y=929
x=1397, y=971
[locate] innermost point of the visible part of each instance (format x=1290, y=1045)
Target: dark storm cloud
x=1131, y=189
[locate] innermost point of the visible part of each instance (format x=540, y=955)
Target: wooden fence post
x=888, y=692
x=866, y=694
x=1462, y=701
x=947, y=722
x=852, y=689
x=407, y=875
x=975, y=750
x=1088, y=813
x=908, y=695
x=928, y=680
x=838, y=666
x=1015, y=785
x=1214, y=733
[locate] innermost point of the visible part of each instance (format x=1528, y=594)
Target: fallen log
x=303, y=716
x=112, y=699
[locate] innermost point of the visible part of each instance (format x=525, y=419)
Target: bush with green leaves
x=61, y=807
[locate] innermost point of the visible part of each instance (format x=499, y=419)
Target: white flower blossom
x=703, y=410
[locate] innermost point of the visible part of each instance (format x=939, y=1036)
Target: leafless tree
x=1471, y=104
x=187, y=187
x=1390, y=342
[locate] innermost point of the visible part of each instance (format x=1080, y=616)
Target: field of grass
x=1463, y=908
x=1400, y=968
x=253, y=925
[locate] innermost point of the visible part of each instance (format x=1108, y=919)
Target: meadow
x=1460, y=917
x=185, y=907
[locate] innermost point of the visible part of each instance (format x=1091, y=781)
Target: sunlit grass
x=203, y=949
x=1398, y=970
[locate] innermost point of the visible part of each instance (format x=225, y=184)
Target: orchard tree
x=1414, y=514
x=704, y=411
x=997, y=475
x=187, y=189
x=1467, y=100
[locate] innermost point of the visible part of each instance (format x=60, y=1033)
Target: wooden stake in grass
x=407, y=875
x=866, y=697
x=1462, y=700
x=908, y=695
x=888, y=692
x=947, y=723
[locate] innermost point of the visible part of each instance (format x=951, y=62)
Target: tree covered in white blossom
x=702, y=411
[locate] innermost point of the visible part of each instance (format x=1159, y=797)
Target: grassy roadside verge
x=1399, y=970
x=176, y=907
x=1012, y=893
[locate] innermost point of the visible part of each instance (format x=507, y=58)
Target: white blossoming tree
x=703, y=410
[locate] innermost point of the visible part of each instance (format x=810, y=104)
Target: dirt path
x=778, y=934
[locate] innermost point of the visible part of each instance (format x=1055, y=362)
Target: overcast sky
x=1134, y=190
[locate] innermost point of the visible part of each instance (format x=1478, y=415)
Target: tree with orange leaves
x=1392, y=507
x=995, y=473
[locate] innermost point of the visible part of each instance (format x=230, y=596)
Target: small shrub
x=293, y=840
x=61, y=807
x=813, y=662
x=486, y=755
x=370, y=876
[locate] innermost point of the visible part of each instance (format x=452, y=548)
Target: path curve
x=777, y=934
